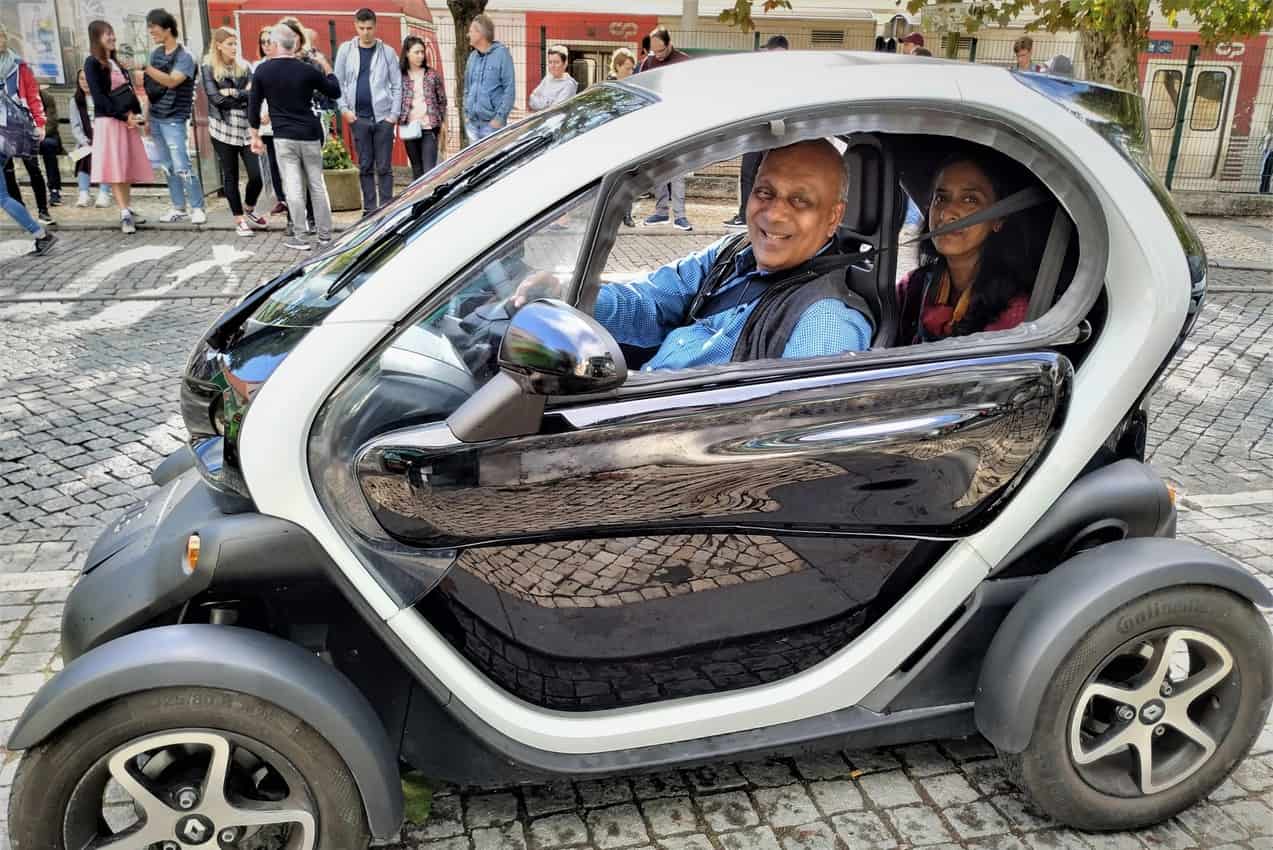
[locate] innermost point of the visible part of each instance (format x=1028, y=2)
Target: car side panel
x=676, y=546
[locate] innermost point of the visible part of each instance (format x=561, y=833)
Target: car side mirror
x=553, y=349
x=550, y=348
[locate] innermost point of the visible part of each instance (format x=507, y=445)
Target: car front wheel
x=186, y=767
x=1151, y=710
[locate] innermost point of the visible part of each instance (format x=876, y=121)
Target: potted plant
x=341, y=176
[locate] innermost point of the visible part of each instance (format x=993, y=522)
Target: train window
x=1164, y=100
x=1208, y=100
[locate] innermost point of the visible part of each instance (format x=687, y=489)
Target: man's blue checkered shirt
x=648, y=313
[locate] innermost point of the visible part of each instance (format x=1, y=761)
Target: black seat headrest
x=865, y=166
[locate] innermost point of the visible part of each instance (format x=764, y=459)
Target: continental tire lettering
x=1155, y=610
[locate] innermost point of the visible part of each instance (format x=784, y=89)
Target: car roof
x=828, y=70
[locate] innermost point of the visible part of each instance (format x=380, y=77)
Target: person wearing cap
x=911, y=42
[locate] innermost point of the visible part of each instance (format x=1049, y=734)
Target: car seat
x=873, y=204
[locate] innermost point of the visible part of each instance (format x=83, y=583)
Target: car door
x=677, y=540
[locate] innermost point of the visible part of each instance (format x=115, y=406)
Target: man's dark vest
x=782, y=303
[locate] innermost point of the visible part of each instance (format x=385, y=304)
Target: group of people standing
x=263, y=116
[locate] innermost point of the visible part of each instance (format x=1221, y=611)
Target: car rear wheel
x=1152, y=709
x=186, y=767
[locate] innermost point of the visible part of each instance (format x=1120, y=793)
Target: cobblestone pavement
x=92, y=343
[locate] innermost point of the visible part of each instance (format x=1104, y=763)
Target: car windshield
x=308, y=293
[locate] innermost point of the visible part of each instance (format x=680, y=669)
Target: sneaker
x=55, y=198
x=45, y=218
x=683, y=224
x=83, y=200
x=173, y=216
x=257, y=221
x=655, y=219
x=324, y=243
x=198, y=216
x=279, y=208
x=296, y=244
x=736, y=221
x=244, y=229
x=45, y=243
x=137, y=219
x=103, y=201
x=627, y=220
x=127, y=224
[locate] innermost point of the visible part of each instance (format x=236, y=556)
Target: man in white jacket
x=557, y=85
x=370, y=99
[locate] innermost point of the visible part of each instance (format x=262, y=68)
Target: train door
x=1207, y=116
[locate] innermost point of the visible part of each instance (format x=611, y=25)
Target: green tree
x=740, y=15
x=462, y=14
x=1114, y=32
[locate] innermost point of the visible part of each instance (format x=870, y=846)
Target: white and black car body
x=910, y=543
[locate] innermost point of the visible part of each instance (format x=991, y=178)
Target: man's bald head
x=796, y=204
x=817, y=153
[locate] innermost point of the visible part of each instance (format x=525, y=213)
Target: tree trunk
x=462, y=14
x=1113, y=57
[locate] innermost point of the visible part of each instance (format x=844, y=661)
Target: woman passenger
x=969, y=280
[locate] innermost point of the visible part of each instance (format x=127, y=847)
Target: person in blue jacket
x=488, y=81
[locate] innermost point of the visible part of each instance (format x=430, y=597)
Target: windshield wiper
x=461, y=184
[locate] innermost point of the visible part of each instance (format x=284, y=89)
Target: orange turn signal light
x=1171, y=494
x=191, y=560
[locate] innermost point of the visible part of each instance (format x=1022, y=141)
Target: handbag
x=411, y=131
x=17, y=128
x=124, y=100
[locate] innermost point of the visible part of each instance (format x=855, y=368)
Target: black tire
x=49, y=773
x=1046, y=771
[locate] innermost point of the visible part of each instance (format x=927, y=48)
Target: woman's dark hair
x=96, y=30
x=1003, y=271
x=407, y=43
x=79, y=98
x=163, y=18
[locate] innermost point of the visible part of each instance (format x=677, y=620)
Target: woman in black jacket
x=119, y=157
x=226, y=80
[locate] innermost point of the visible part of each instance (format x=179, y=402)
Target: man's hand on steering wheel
x=537, y=285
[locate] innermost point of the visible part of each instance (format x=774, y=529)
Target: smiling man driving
x=753, y=297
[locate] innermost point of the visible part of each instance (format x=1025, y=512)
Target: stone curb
x=1240, y=265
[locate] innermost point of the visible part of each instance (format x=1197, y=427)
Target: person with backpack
x=19, y=83
x=170, y=78
x=119, y=157
x=23, y=129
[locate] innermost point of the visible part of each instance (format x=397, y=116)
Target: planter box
x=343, y=189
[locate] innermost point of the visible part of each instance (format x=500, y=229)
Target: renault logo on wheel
x=195, y=829
x=1152, y=711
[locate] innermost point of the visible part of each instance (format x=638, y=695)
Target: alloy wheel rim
x=1154, y=712
x=196, y=788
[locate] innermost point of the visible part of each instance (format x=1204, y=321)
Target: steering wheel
x=477, y=335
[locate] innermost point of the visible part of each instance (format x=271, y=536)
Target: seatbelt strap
x=1050, y=266
x=1031, y=196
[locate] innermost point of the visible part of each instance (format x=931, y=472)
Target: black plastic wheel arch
x=242, y=660
x=1064, y=605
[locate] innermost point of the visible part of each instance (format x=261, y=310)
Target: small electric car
x=416, y=525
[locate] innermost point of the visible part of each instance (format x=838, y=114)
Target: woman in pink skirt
x=119, y=157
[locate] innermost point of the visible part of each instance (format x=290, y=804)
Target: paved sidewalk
x=89, y=374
